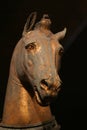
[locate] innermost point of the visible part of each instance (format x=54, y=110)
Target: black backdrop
x=71, y=105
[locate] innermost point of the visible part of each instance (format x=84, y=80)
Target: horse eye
x=30, y=46
x=61, y=51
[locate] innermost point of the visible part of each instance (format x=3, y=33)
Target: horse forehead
x=36, y=36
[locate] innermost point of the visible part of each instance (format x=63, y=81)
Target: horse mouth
x=45, y=96
x=40, y=100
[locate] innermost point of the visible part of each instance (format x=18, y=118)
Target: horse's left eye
x=30, y=46
x=61, y=51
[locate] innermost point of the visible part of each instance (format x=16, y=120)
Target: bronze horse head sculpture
x=33, y=81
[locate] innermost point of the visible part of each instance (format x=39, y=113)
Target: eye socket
x=61, y=51
x=30, y=46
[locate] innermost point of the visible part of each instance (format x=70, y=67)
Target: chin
x=46, y=99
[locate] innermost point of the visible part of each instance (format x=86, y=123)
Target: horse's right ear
x=61, y=34
x=29, y=23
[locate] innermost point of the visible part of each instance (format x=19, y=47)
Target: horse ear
x=29, y=23
x=61, y=34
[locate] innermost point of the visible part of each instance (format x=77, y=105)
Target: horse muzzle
x=47, y=91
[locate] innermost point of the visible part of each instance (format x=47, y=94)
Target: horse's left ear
x=61, y=34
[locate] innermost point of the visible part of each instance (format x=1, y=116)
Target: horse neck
x=20, y=108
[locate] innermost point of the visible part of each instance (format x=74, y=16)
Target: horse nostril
x=43, y=82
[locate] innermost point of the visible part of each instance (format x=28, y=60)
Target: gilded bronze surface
x=33, y=81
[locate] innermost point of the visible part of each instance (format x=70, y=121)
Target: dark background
x=71, y=105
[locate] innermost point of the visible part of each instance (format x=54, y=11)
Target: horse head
x=42, y=57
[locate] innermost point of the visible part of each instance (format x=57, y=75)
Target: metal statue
x=33, y=81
